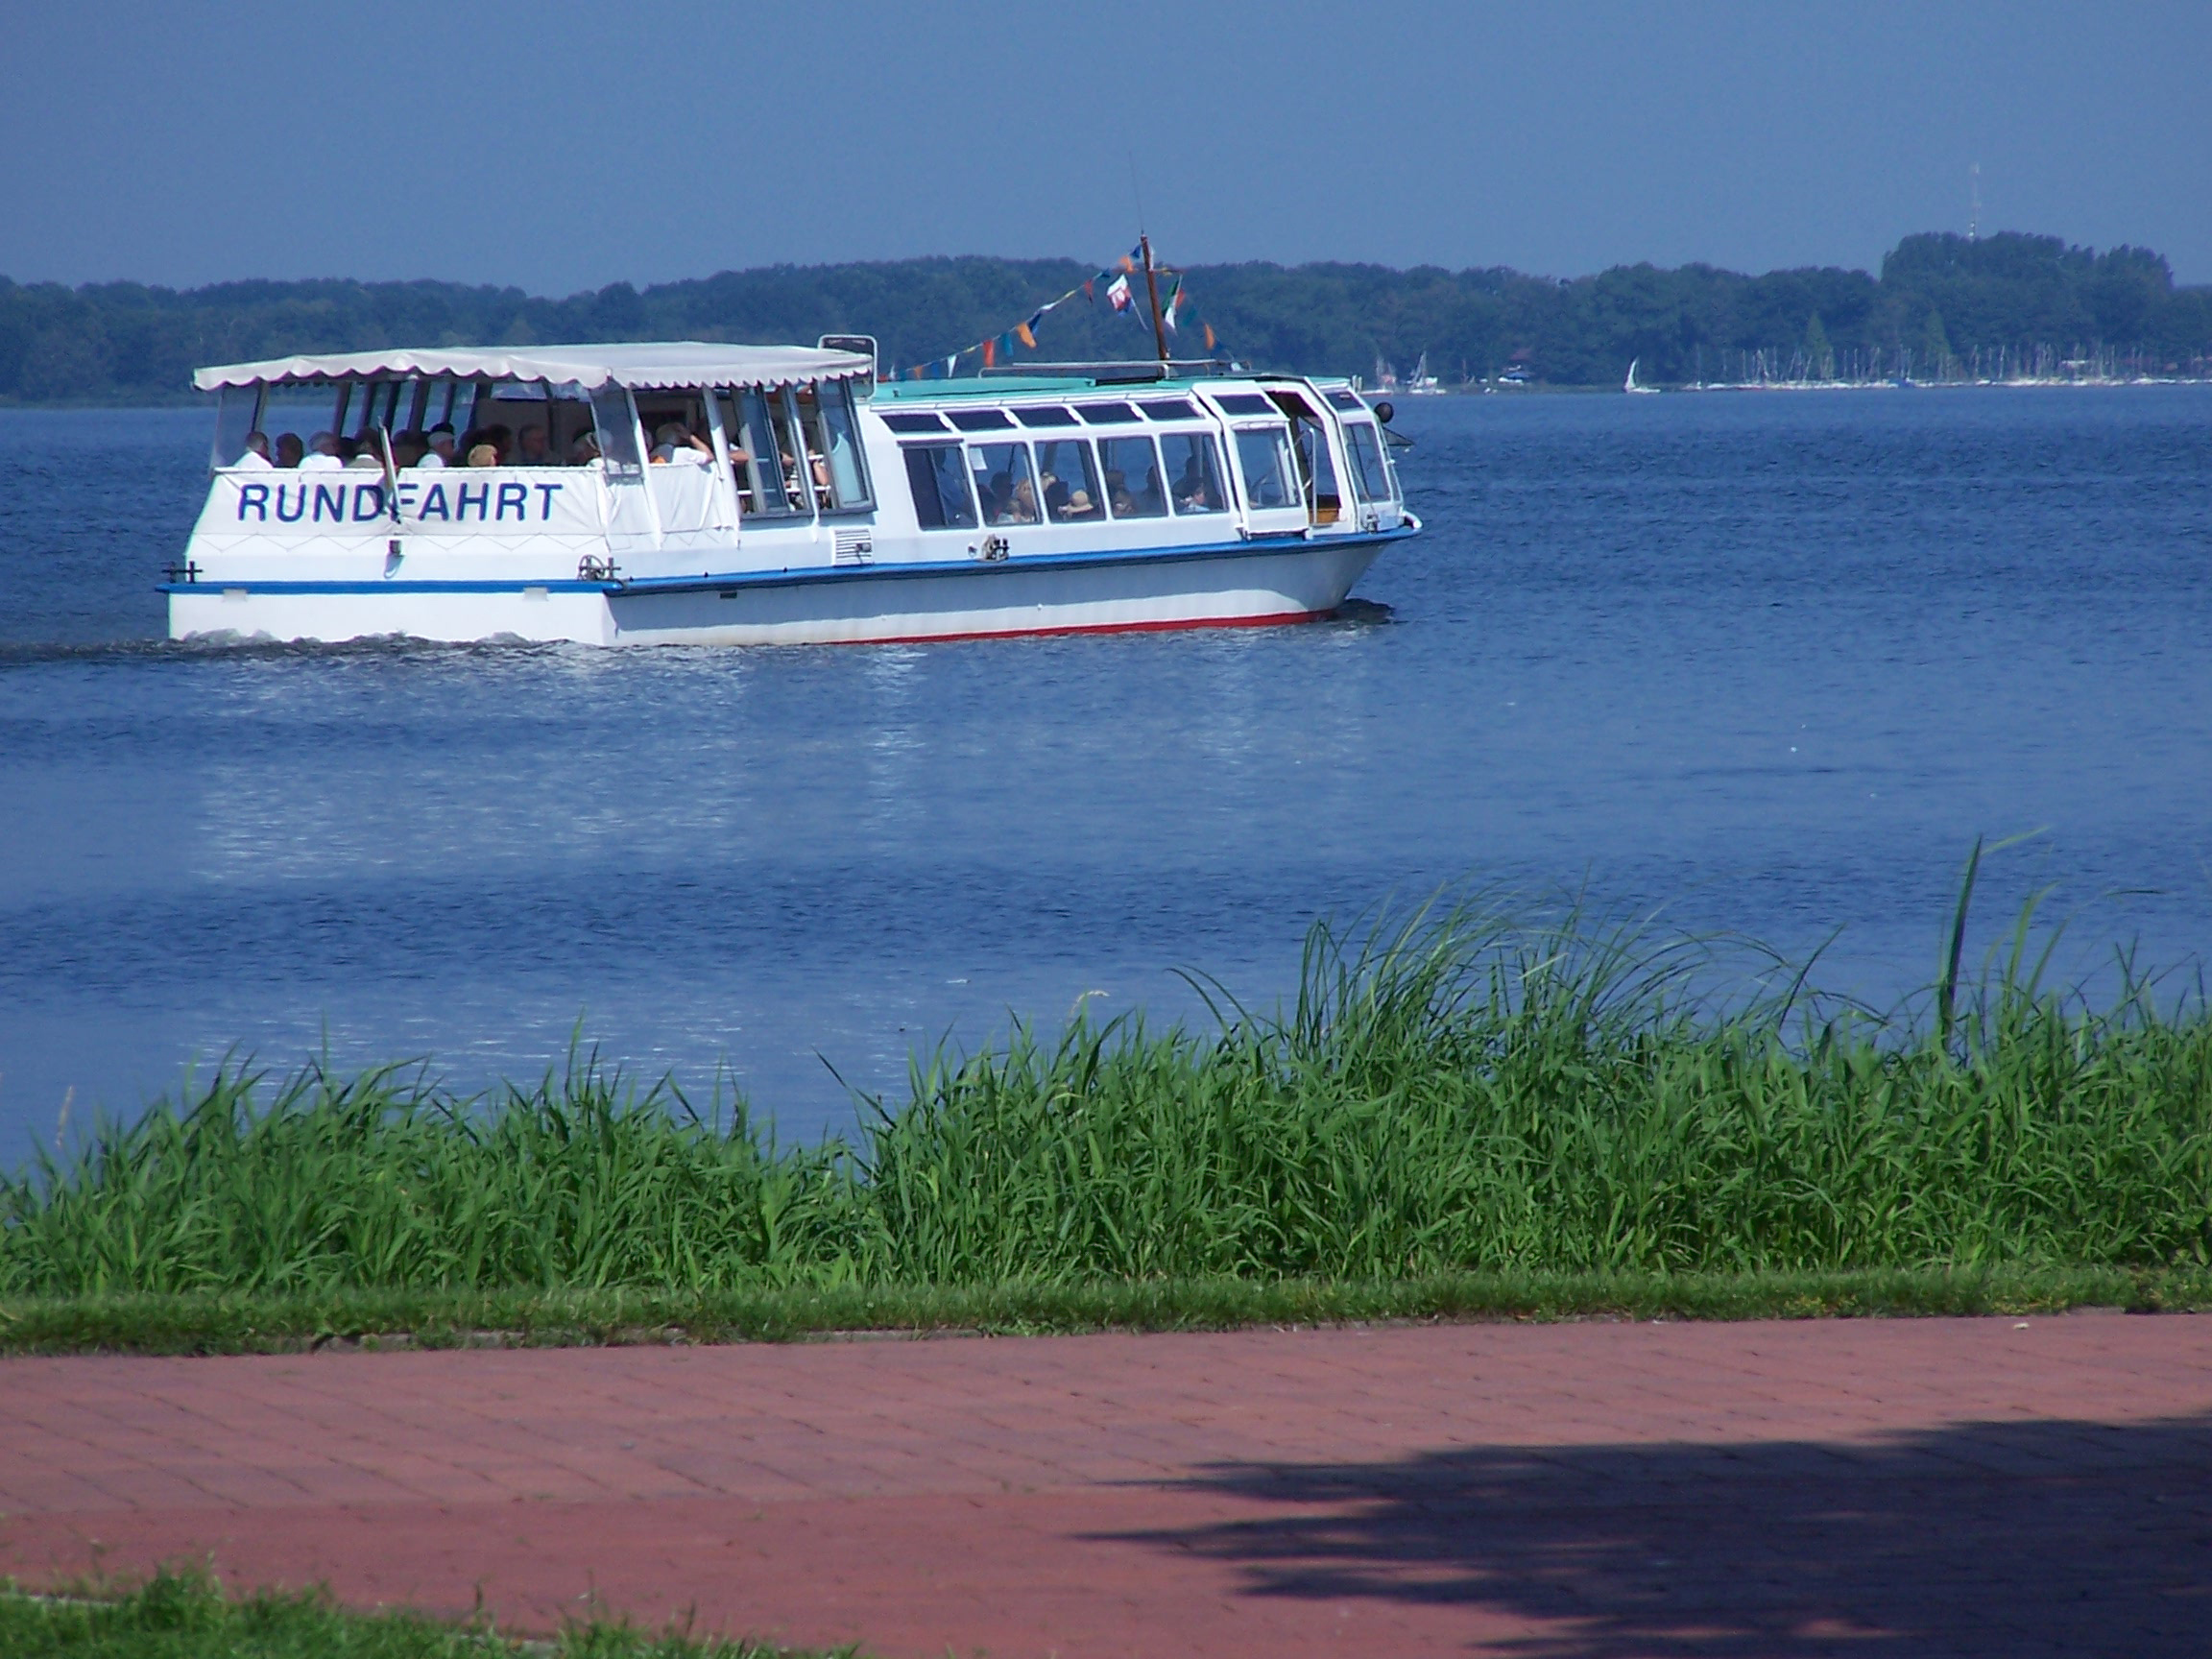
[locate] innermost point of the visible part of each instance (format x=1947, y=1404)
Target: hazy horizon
x=562, y=153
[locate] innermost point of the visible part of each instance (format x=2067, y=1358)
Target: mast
x=1152, y=288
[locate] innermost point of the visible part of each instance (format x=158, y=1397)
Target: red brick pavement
x=1885, y=1487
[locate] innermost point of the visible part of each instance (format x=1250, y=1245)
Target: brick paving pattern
x=1900, y=1487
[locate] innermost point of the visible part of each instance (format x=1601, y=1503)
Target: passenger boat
x=738, y=495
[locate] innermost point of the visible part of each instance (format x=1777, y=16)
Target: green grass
x=186, y=1616
x=1459, y=1115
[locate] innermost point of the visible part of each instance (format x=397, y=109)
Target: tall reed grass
x=1457, y=1091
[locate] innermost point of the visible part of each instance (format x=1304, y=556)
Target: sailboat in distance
x=1422, y=384
x=1630, y=386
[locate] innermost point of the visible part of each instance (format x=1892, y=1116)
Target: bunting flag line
x=1120, y=298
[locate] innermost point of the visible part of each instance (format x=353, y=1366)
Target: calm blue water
x=1771, y=661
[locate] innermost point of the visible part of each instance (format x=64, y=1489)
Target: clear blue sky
x=559, y=147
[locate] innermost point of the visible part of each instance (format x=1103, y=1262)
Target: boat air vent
x=852, y=548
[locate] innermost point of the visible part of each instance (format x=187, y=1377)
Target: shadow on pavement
x=2015, y=1538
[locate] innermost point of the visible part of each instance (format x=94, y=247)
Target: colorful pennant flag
x=1121, y=296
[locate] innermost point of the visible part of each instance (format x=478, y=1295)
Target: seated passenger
x=289, y=449
x=322, y=453
x=441, y=449
x=673, y=442
x=408, y=449
x=485, y=455
x=1080, y=505
x=1117, y=495
x=501, y=438
x=369, y=452
x=1020, y=505
x=584, y=449
x=1194, y=491
x=254, y=457
x=531, y=449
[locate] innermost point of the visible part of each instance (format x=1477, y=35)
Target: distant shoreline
x=2001, y=307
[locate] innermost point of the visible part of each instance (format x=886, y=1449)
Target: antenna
x=1974, y=207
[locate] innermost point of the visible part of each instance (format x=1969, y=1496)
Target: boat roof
x=664, y=365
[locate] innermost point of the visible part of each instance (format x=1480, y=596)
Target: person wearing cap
x=441, y=450
x=255, y=456
x=322, y=453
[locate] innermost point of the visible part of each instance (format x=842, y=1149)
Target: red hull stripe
x=1271, y=620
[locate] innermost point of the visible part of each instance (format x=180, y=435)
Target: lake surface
x=1773, y=661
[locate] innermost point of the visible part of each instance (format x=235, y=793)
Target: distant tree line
x=1941, y=306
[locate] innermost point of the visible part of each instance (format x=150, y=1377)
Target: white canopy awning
x=680, y=364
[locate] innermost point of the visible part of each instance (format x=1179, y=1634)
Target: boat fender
x=997, y=547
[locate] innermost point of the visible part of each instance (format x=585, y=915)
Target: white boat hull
x=1293, y=580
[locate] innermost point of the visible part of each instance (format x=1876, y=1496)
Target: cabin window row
x=793, y=449
x=1064, y=480
x=1047, y=416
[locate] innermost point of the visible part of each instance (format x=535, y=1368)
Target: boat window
x=1367, y=469
x=1194, y=472
x=826, y=415
x=1068, y=480
x=1170, y=409
x=980, y=419
x=235, y=411
x=763, y=460
x=382, y=403
x=1132, y=469
x=1347, y=400
x=1318, y=470
x=1263, y=456
x=902, y=423
x=296, y=413
x=1244, y=403
x=1002, y=483
x=1051, y=414
x=616, y=423
x=450, y=404
x=940, y=486
x=1105, y=414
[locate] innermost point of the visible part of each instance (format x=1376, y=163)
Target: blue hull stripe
x=1260, y=548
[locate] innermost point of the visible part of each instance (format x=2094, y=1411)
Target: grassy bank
x=185, y=1616
x=290, y=1323
x=1462, y=1115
